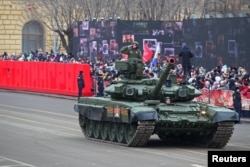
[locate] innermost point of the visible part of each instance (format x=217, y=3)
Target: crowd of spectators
x=223, y=77
x=39, y=55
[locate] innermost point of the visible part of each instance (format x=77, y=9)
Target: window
x=32, y=37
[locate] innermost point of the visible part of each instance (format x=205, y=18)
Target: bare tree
x=59, y=15
x=224, y=7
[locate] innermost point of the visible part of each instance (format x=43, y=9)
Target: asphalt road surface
x=43, y=131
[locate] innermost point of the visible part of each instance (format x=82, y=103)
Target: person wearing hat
x=135, y=55
x=186, y=55
x=237, y=101
x=80, y=84
x=132, y=51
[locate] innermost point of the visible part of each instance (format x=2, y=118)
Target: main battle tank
x=136, y=107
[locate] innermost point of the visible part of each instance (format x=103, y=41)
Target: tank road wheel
x=129, y=132
x=112, y=131
x=104, y=130
x=97, y=129
x=120, y=133
x=89, y=128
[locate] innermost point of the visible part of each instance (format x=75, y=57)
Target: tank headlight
x=203, y=112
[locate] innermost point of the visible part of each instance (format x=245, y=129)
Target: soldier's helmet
x=136, y=43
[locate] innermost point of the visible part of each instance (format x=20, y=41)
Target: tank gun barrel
x=163, y=77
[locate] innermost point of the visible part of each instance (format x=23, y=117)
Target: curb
x=245, y=120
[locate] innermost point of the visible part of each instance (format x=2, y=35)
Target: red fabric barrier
x=44, y=77
x=222, y=98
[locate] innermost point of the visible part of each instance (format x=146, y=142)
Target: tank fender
x=143, y=114
x=76, y=109
x=226, y=116
x=91, y=112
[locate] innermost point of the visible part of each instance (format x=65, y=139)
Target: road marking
x=191, y=151
x=239, y=145
x=41, y=111
x=195, y=165
x=38, y=116
x=18, y=163
x=38, y=129
x=36, y=122
x=173, y=155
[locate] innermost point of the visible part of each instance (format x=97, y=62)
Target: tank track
x=216, y=137
x=222, y=135
x=140, y=138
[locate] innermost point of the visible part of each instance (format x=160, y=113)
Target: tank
x=137, y=107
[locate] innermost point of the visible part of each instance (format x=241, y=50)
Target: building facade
x=20, y=34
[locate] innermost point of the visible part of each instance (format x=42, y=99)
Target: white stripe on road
x=40, y=129
x=41, y=111
x=19, y=163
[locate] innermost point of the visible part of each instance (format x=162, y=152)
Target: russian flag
x=154, y=61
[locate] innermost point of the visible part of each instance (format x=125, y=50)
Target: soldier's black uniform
x=80, y=83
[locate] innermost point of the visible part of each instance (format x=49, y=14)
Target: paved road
x=40, y=131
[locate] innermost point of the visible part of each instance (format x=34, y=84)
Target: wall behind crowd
x=214, y=41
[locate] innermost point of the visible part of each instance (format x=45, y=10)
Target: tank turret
x=135, y=86
x=130, y=69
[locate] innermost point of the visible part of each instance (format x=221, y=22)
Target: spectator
x=245, y=88
x=237, y=102
x=231, y=84
x=5, y=56
x=186, y=55
x=100, y=85
x=200, y=82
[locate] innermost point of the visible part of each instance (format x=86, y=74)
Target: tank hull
x=131, y=123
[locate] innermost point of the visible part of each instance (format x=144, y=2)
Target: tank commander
x=132, y=51
x=135, y=65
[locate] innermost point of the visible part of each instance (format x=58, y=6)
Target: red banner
x=147, y=54
x=44, y=77
x=222, y=98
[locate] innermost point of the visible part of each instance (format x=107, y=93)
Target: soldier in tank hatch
x=132, y=51
x=135, y=59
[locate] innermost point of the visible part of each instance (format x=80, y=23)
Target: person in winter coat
x=231, y=84
x=80, y=84
x=237, y=102
x=245, y=88
x=132, y=51
x=186, y=55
